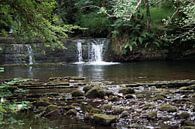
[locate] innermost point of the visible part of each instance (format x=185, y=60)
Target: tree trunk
x=148, y=15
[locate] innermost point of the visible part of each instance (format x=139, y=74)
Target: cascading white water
x=30, y=53
x=96, y=50
x=79, y=53
x=96, y=53
x=79, y=49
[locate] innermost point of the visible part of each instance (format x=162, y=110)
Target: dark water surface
x=120, y=73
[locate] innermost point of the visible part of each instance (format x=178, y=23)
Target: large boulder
x=77, y=93
x=95, y=92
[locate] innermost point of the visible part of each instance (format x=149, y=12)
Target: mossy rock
x=188, y=127
x=87, y=88
x=51, y=108
x=152, y=115
x=71, y=112
x=159, y=97
x=66, y=108
x=184, y=115
x=103, y=119
x=117, y=110
x=95, y=92
x=113, y=98
x=77, y=93
x=127, y=91
x=191, y=87
x=193, y=98
x=168, y=108
x=188, y=123
x=94, y=110
x=107, y=106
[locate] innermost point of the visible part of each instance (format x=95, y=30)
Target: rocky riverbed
x=153, y=105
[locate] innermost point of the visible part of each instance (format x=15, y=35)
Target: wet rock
x=193, y=98
x=87, y=88
x=148, y=106
x=117, y=110
x=103, y=119
x=71, y=112
x=51, y=108
x=127, y=91
x=152, y=115
x=191, y=87
x=187, y=123
x=113, y=98
x=66, y=108
x=107, y=106
x=94, y=110
x=129, y=96
x=159, y=97
x=168, y=108
x=41, y=103
x=184, y=115
x=188, y=127
x=77, y=93
x=124, y=114
x=95, y=92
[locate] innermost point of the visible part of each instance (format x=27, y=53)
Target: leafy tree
x=33, y=19
x=182, y=22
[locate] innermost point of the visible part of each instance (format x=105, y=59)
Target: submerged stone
x=104, y=119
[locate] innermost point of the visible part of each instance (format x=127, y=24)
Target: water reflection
x=30, y=72
x=97, y=72
x=80, y=70
x=141, y=71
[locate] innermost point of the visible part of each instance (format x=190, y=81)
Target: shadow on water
x=130, y=72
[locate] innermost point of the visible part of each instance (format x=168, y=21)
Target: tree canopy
x=34, y=19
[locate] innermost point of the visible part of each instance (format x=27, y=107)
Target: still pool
x=119, y=73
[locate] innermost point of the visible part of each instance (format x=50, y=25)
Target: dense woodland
x=131, y=24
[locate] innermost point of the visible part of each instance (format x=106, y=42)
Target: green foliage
x=7, y=107
x=32, y=19
x=95, y=23
x=181, y=26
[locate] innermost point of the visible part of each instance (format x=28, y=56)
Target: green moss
x=152, y=115
x=104, y=119
x=168, y=108
x=127, y=91
x=95, y=92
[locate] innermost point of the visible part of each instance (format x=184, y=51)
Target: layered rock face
x=19, y=53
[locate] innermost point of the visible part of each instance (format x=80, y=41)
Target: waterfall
x=30, y=53
x=79, y=49
x=95, y=50
x=96, y=53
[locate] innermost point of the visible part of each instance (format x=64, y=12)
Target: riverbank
x=159, y=104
